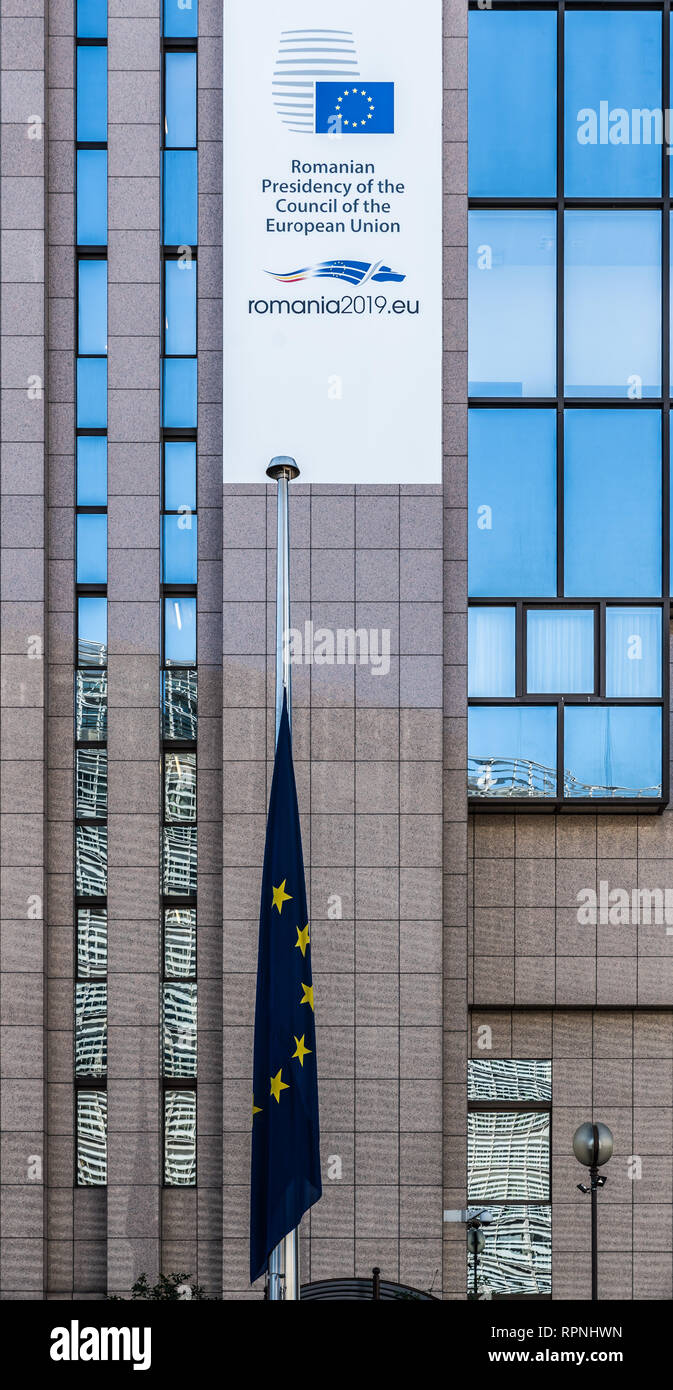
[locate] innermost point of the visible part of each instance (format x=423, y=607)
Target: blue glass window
x=613, y=303
x=179, y=474
x=512, y=72
x=179, y=630
x=512, y=503
x=512, y=750
x=92, y=631
x=492, y=652
x=91, y=197
x=180, y=307
x=612, y=750
x=179, y=549
x=92, y=303
x=92, y=93
x=92, y=548
x=91, y=393
x=633, y=652
x=613, y=136
x=91, y=471
x=180, y=198
x=181, y=18
x=512, y=303
x=179, y=393
x=92, y=19
x=612, y=503
x=180, y=101
x=560, y=651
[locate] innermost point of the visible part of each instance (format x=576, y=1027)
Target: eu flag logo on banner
x=285, y=1134
x=365, y=108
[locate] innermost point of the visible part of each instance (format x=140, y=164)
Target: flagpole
x=284, y=1260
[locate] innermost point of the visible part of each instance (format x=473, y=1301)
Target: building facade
x=487, y=847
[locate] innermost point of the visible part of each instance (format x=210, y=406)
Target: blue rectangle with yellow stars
x=285, y=1179
x=363, y=108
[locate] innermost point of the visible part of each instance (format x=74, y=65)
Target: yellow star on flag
x=302, y=1051
x=308, y=995
x=303, y=939
x=280, y=897
x=256, y=1109
x=278, y=1085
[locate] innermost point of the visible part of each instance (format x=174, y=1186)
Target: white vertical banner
x=333, y=239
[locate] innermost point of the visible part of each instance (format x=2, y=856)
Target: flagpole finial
x=282, y=466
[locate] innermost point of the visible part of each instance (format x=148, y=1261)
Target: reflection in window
x=91, y=1028
x=91, y=942
x=507, y=1079
x=180, y=1138
x=512, y=303
x=507, y=1155
x=180, y=787
x=180, y=630
x=92, y=548
x=180, y=100
x=512, y=65
x=92, y=300
x=91, y=630
x=612, y=473
x=91, y=783
x=91, y=861
x=181, y=18
x=512, y=503
x=633, y=647
x=92, y=19
x=91, y=393
x=180, y=198
x=91, y=1138
x=516, y=1259
x=178, y=1029
x=179, y=548
x=179, y=704
x=615, y=55
x=179, y=942
x=179, y=861
x=560, y=651
x=180, y=308
x=178, y=393
x=492, y=652
x=92, y=93
x=612, y=750
x=613, y=303
x=92, y=471
x=512, y=751
x=91, y=197
x=91, y=706
x=179, y=475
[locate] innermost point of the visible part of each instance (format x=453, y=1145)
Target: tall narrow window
x=179, y=576
x=90, y=692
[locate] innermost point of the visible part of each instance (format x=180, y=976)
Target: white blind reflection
x=508, y=1156
x=180, y=1138
x=516, y=1258
x=508, y=1079
x=91, y=783
x=91, y=1028
x=91, y=1138
x=179, y=861
x=91, y=706
x=179, y=1029
x=91, y=861
x=91, y=941
x=179, y=942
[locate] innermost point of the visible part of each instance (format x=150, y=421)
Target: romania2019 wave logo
x=353, y=272
x=317, y=88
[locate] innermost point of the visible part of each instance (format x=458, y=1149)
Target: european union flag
x=363, y=108
x=285, y=1134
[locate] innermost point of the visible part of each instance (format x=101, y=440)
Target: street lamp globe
x=593, y=1144
x=476, y=1240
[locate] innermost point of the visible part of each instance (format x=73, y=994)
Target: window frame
x=663, y=204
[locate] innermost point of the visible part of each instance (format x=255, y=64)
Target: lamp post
x=592, y=1146
x=476, y=1241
